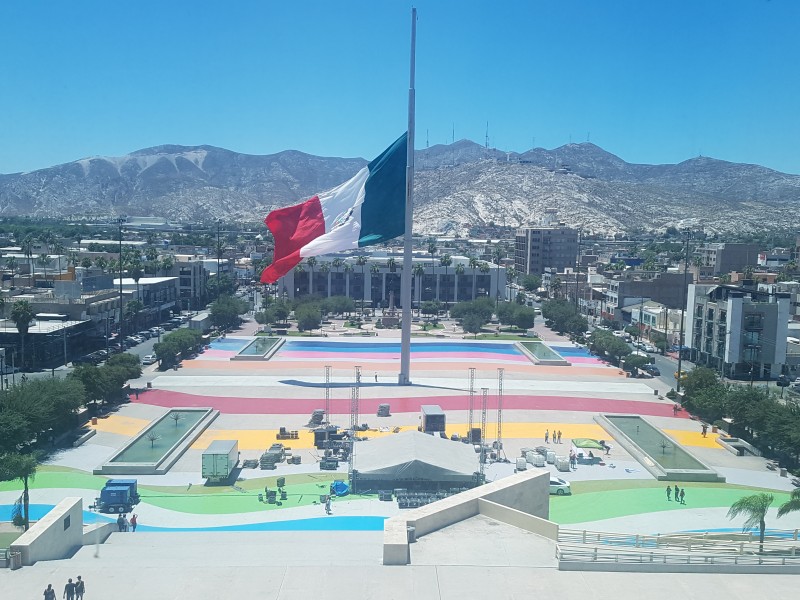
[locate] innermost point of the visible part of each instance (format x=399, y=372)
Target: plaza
x=223, y=541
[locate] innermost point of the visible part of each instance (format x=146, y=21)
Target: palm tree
x=418, y=271
x=473, y=264
x=136, y=273
x=11, y=265
x=498, y=254
x=361, y=261
x=101, y=262
x=311, y=261
x=336, y=264
x=445, y=261
x=59, y=249
x=167, y=263
x=484, y=269
x=374, y=269
x=791, y=505
x=43, y=261
x=22, y=467
x=27, y=249
x=22, y=314
x=755, y=508
x=324, y=268
x=347, y=268
x=459, y=271
x=511, y=277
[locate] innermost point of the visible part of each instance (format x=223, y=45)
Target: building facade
x=726, y=257
x=545, y=246
x=740, y=332
x=378, y=279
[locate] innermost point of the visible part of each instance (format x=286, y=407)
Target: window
x=66, y=523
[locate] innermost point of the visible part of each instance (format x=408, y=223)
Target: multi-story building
x=550, y=244
x=726, y=257
x=192, y=279
x=633, y=288
x=741, y=332
x=378, y=280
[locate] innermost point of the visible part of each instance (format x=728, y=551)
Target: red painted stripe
x=284, y=406
x=292, y=227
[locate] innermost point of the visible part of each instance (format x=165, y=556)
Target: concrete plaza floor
x=476, y=558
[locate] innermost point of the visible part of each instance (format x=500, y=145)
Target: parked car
x=652, y=369
x=146, y=334
x=149, y=359
x=559, y=486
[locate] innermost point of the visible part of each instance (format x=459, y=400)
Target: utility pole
x=683, y=310
x=121, y=338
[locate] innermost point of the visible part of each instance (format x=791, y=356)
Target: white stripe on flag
x=341, y=209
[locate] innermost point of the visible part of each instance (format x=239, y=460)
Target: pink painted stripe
x=584, y=360
x=283, y=406
x=293, y=354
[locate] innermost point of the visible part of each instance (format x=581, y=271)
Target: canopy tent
x=413, y=460
x=587, y=443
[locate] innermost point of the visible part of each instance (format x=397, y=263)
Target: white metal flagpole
x=405, y=291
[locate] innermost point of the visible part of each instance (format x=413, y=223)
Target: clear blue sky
x=651, y=81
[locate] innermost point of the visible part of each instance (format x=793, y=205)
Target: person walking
x=546, y=436
x=69, y=590
x=677, y=492
x=126, y=525
x=120, y=522
x=559, y=437
x=683, y=495
x=376, y=378
x=669, y=493
x=80, y=588
x=133, y=523
x=49, y=592
x=705, y=429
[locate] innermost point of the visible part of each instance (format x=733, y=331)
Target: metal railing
x=608, y=555
x=778, y=543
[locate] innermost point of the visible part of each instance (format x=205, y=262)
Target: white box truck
x=219, y=460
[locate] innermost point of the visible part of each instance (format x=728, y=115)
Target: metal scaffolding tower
x=471, y=402
x=327, y=395
x=482, y=453
x=354, y=397
x=353, y=424
x=499, y=448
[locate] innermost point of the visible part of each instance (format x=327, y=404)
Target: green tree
x=698, y=379
x=308, y=317
x=23, y=467
x=472, y=323
x=524, y=317
x=754, y=508
x=225, y=311
x=531, y=283
x=22, y=314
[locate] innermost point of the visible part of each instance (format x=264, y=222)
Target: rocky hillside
x=457, y=186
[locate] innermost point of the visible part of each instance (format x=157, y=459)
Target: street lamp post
x=119, y=223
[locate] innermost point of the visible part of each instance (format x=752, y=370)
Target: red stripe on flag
x=292, y=227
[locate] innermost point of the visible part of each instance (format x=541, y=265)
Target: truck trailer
x=219, y=460
x=118, y=495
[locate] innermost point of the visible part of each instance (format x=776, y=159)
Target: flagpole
x=405, y=291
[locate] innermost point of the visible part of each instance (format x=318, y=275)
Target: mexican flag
x=367, y=209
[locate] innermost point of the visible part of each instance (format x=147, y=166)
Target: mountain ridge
x=457, y=186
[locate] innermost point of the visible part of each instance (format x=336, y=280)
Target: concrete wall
x=55, y=536
x=98, y=533
x=522, y=500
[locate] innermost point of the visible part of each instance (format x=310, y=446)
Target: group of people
x=74, y=590
x=556, y=436
x=124, y=524
x=680, y=494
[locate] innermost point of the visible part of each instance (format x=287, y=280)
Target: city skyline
x=659, y=83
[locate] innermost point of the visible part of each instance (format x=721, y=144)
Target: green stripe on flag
x=384, y=208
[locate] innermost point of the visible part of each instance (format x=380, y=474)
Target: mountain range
x=457, y=186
